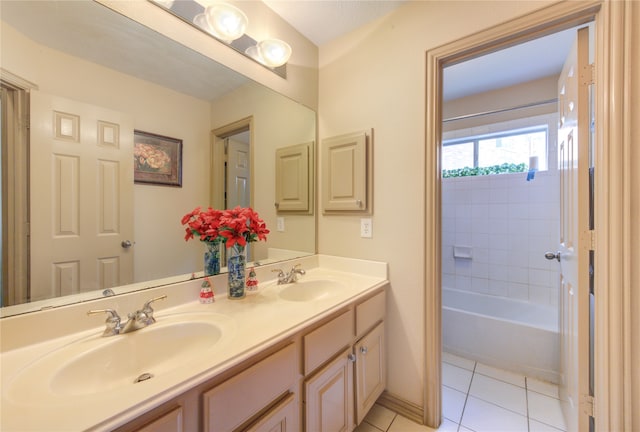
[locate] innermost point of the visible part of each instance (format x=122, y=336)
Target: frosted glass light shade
x=226, y=22
x=274, y=52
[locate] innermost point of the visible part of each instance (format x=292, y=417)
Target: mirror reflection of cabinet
x=294, y=178
x=347, y=173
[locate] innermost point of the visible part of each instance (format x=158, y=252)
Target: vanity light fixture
x=270, y=52
x=228, y=24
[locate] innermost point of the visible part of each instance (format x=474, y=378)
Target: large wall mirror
x=70, y=54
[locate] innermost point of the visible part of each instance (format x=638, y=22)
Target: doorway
x=231, y=168
x=517, y=31
x=500, y=215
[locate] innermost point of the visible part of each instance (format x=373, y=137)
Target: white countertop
x=252, y=324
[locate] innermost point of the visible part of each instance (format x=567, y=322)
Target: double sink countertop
x=59, y=373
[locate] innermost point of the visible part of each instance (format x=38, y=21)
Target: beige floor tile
x=380, y=417
x=403, y=424
x=366, y=427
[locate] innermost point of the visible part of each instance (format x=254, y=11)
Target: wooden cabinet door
x=329, y=397
x=344, y=173
x=293, y=177
x=370, y=370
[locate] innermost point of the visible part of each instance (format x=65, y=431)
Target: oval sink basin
x=101, y=364
x=309, y=290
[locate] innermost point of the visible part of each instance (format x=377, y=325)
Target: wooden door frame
x=613, y=392
x=15, y=192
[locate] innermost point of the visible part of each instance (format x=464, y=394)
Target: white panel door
x=81, y=205
x=573, y=250
x=238, y=171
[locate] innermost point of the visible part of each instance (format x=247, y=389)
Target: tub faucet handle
x=550, y=256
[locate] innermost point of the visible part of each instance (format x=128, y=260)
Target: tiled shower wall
x=509, y=224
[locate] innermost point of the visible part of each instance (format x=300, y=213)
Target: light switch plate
x=280, y=224
x=366, y=228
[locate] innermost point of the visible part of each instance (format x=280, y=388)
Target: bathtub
x=508, y=334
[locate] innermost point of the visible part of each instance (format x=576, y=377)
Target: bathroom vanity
x=303, y=356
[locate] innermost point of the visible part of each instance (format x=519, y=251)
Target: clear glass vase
x=236, y=262
x=211, y=258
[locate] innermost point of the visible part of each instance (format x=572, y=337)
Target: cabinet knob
x=363, y=350
x=352, y=358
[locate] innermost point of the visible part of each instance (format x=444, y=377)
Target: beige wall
x=517, y=95
x=155, y=109
x=375, y=78
x=277, y=122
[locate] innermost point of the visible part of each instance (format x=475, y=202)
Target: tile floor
x=479, y=398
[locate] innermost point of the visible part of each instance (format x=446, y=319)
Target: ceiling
x=322, y=21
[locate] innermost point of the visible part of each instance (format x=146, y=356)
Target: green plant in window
x=505, y=168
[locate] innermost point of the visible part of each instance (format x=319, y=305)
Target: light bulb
x=227, y=22
x=274, y=52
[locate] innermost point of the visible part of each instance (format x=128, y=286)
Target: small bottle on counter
x=206, y=292
x=252, y=281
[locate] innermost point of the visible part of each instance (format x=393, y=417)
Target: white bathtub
x=508, y=334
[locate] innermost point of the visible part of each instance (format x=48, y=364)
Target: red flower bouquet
x=240, y=225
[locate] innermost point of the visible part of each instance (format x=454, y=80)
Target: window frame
x=475, y=139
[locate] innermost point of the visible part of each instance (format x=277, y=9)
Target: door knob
x=551, y=255
x=126, y=244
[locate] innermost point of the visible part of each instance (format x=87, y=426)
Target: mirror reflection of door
x=85, y=154
x=82, y=216
x=230, y=177
x=237, y=171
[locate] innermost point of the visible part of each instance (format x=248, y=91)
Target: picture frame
x=157, y=159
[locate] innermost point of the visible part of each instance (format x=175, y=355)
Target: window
x=495, y=153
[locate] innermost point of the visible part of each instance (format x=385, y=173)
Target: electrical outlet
x=280, y=224
x=366, y=228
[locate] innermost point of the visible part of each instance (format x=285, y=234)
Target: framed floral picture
x=157, y=159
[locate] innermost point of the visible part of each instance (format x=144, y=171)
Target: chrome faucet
x=291, y=277
x=136, y=320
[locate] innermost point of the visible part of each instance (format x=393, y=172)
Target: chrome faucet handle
x=281, y=276
x=147, y=310
x=113, y=322
x=296, y=269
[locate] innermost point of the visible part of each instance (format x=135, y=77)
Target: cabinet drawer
x=281, y=418
x=169, y=422
x=370, y=312
x=238, y=399
x=324, y=342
